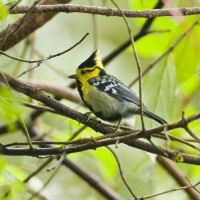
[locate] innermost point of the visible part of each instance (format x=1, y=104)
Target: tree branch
x=91, y=144
x=85, y=175
x=97, y=126
x=178, y=176
x=56, y=90
x=143, y=31
x=92, y=180
x=147, y=13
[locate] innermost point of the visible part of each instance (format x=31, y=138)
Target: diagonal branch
x=144, y=31
x=178, y=176
x=95, y=125
x=20, y=29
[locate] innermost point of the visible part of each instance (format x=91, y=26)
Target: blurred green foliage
x=3, y=11
x=171, y=87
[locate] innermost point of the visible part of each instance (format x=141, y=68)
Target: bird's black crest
x=91, y=61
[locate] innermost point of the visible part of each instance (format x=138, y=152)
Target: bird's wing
x=115, y=88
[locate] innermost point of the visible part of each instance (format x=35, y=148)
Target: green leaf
x=191, y=85
x=107, y=159
x=186, y=53
x=156, y=43
x=9, y=107
x=11, y=181
x=3, y=11
x=159, y=89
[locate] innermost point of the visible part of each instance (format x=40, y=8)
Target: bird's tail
x=153, y=116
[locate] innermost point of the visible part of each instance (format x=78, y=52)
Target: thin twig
x=21, y=122
x=53, y=56
x=170, y=49
x=58, y=163
x=45, y=184
x=38, y=169
x=167, y=138
x=168, y=191
x=197, y=139
x=187, y=129
x=137, y=62
x=178, y=176
x=121, y=172
x=24, y=128
x=44, y=59
x=173, y=138
x=38, y=107
x=193, y=186
x=143, y=32
x=77, y=132
x=95, y=30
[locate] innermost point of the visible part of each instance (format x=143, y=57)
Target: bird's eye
x=83, y=72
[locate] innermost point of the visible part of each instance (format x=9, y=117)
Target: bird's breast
x=105, y=106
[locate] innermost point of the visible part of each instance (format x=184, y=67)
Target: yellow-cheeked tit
x=106, y=96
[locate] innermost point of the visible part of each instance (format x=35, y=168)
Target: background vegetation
x=168, y=46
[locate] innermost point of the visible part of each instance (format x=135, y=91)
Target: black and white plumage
x=128, y=101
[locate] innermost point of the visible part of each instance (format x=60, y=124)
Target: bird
x=106, y=96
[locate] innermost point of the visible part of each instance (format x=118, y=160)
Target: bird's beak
x=74, y=76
